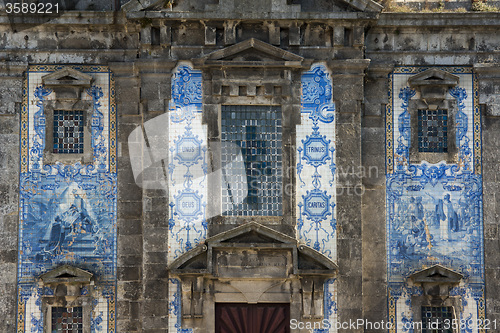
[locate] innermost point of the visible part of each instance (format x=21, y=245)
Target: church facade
x=237, y=166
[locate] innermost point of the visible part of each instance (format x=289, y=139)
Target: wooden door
x=252, y=318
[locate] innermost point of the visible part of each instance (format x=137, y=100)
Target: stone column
x=11, y=78
x=373, y=200
x=155, y=82
x=129, y=205
x=489, y=88
x=348, y=94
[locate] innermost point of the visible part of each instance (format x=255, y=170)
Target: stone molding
x=252, y=259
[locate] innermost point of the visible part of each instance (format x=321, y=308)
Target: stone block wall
x=9, y=176
x=145, y=50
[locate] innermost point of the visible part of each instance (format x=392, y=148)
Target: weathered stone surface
x=360, y=47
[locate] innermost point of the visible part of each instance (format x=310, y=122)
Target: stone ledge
x=439, y=19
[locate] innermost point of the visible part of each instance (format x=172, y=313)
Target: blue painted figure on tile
x=426, y=221
x=71, y=226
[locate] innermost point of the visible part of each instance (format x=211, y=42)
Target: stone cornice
x=418, y=20
x=349, y=66
x=253, y=16
x=487, y=69
x=73, y=18
x=380, y=69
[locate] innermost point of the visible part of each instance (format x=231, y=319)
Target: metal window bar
x=257, y=131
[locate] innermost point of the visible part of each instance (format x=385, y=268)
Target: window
x=257, y=131
x=66, y=320
x=67, y=309
x=435, y=317
x=433, y=131
x=68, y=132
x=433, y=115
x=67, y=118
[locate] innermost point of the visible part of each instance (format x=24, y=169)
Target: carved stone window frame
x=275, y=80
x=451, y=156
x=68, y=85
x=49, y=157
x=67, y=282
x=436, y=282
x=432, y=86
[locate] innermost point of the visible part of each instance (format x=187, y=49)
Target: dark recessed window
x=67, y=320
x=436, y=318
x=155, y=35
x=433, y=131
x=68, y=132
x=257, y=131
x=348, y=37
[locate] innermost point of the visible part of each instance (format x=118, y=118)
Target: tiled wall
x=80, y=197
x=316, y=174
x=316, y=185
x=187, y=170
x=418, y=236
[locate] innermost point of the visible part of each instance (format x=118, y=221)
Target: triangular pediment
x=252, y=47
x=251, y=53
x=66, y=274
x=434, y=77
x=249, y=232
x=312, y=262
x=196, y=263
x=436, y=273
x=252, y=235
x=67, y=77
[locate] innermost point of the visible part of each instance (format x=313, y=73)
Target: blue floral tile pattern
x=187, y=169
x=316, y=171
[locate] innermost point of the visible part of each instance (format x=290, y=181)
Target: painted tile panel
x=187, y=165
x=187, y=180
x=315, y=142
x=434, y=211
x=68, y=211
x=316, y=172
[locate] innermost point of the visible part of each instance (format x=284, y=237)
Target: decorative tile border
x=187, y=166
